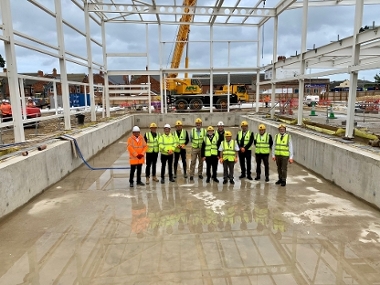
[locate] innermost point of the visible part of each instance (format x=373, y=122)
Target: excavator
x=187, y=93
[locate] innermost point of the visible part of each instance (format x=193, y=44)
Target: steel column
x=106, y=105
x=259, y=44
x=274, y=59
x=211, y=68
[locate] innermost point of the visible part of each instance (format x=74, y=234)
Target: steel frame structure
x=349, y=55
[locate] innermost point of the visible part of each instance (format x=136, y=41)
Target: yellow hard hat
x=244, y=123
x=178, y=123
x=282, y=126
x=227, y=134
x=262, y=127
x=210, y=128
x=153, y=125
x=198, y=120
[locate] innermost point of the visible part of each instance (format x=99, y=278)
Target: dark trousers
x=164, y=159
x=211, y=163
x=132, y=174
x=228, y=169
x=151, y=160
x=182, y=153
x=245, y=158
x=265, y=158
x=282, y=166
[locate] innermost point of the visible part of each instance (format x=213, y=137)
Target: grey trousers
x=228, y=169
x=196, y=153
x=282, y=166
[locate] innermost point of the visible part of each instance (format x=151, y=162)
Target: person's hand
x=236, y=159
x=221, y=160
x=170, y=152
x=242, y=149
x=139, y=156
x=204, y=158
x=290, y=160
x=274, y=158
x=183, y=146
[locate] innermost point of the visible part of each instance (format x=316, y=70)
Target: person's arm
x=203, y=149
x=221, y=153
x=131, y=149
x=250, y=142
x=145, y=147
x=145, y=138
x=290, y=148
x=270, y=141
x=237, y=140
x=187, y=139
x=274, y=146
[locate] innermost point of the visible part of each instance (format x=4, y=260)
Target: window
x=296, y=91
x=316, y=91
x=77, y=89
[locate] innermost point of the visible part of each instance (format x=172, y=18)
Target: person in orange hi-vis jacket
x=136, y=147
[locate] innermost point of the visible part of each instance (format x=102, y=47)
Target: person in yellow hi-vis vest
x=197, y=136
x=167, y=143
x=244, y=138
x=182, y=137
x=263, y=146
x=228, y=156
x=151, y=139
x=210, y=153
x=282, y=153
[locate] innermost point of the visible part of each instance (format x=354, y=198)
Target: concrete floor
x=92, y=228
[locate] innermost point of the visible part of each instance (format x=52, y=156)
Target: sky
x=325, y=24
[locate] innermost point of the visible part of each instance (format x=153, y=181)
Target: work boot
x=139, y=183
x=278, y=182
x=249, y=177
x=175, y=174
x=200, y=176
x=208, y=180
x=155, y=179
x=232, y=181
x=185, y=175
x=242, y=176
x=162, y=180
x=130, y=184
x=215, y=180
x=171, y=179
x=147, y=180
x=267, y=179
x=191, y=178
x=225, y=181
x=283, y=183
x=257, y=178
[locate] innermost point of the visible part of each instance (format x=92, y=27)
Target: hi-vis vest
x=282, y=145
x=229, y=150
x=196, y=141
x=246, y=137
x=166, y=143
x=211, y=146
x=152, y=142
x=181, y=139
x=262, y=144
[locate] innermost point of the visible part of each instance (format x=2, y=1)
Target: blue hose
x=86, y=163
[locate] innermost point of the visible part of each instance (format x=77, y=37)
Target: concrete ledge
x=22, y=178
x=353, y=169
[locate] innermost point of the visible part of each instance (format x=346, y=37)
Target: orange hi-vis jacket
x=136, y=146
x=6, y=109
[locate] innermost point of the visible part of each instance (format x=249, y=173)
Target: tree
x=377, y=78
x=2, y=62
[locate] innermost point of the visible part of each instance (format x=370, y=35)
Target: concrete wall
x=355, y=170
x=22, y=178
x=188, y=119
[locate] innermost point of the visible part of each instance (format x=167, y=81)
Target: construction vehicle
x=187, y=93
x=237, y=89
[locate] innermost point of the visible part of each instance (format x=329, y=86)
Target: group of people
x=210, y=146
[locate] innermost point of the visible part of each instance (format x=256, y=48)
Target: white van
x=311, y=98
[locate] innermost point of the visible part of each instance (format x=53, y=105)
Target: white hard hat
x=3, y=100
x=167, y=126
x=29, y=98
x=220, y=123
x=136, y=129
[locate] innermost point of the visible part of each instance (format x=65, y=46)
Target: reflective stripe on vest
x=282, y=145
x=166, y=142
x=152, y=142
x=246, y=138
x=181, y=139
x=229, y=150
x=262, y=144
x=211, y=146
x=196, y=141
